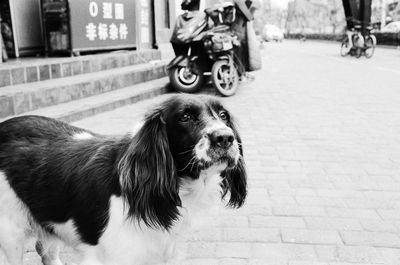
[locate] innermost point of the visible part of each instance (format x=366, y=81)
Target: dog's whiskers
x=185, y=152
x=191, y=168
x=191, y=162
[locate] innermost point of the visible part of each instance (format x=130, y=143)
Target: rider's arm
x=242, y=6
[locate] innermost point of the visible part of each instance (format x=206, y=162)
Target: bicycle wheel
x=369, y=47
x=345, y=48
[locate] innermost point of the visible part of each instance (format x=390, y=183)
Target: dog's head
x=179, y=139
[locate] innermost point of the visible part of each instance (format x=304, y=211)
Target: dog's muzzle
x=218, y=145
x=222, y=138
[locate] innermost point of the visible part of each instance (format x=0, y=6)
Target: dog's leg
x=13, y=223
x=13, y=252
x=49, y=252
x=12, y=243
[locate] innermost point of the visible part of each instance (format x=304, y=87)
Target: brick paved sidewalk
x=322, y=150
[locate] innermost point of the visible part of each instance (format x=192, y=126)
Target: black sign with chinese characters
x=102, y=24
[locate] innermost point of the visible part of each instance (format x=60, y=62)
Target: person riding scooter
x=187, y=25
x=203, y=43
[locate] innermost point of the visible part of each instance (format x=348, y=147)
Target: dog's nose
x=222, y=138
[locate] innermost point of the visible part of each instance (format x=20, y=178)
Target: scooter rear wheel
x=185, y=81
x=224, y=79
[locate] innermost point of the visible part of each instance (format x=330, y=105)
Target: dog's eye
x=223, y=115
x=185, y=118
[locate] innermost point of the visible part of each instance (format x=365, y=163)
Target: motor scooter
x=203, y=44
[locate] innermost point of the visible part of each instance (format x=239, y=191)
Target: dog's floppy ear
x=148, y=178
x=235, y=179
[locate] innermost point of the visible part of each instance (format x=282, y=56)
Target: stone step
x=86, y=107
x=29, y=70
x=15, y=100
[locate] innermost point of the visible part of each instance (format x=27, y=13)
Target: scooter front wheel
x=225, y=78
x=184, y=80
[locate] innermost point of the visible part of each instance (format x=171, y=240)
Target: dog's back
x=24, y=140
x=26, y=128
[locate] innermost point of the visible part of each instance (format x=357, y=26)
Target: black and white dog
x=116, y=200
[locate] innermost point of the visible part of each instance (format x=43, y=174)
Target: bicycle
x=353, y=43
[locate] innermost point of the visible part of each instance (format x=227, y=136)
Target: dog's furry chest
x=202, y=193
x=129, y=240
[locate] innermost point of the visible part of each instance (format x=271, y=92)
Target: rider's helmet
x=190, y=5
